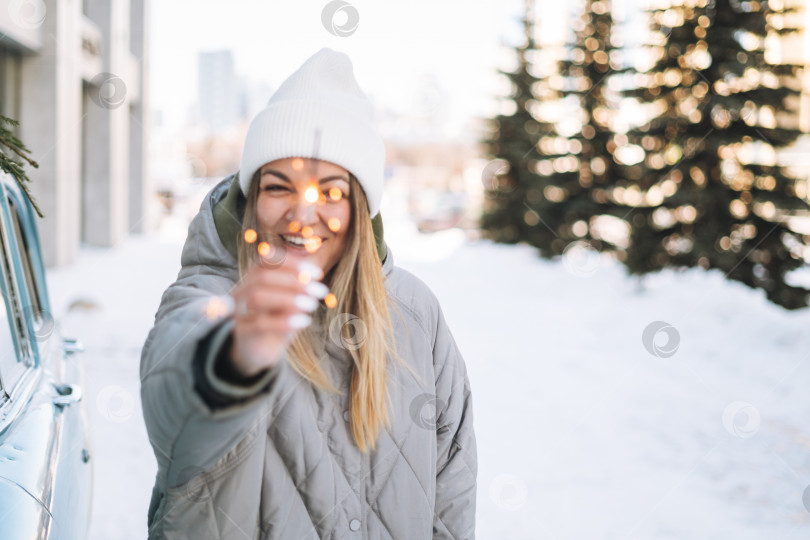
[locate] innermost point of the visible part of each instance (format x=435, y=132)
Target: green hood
x=229, y=211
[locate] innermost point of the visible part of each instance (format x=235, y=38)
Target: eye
x=274, y=187
x=334, y=194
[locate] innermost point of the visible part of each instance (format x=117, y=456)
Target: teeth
x=294, y=240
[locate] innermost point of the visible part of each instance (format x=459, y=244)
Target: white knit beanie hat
x=319, y=112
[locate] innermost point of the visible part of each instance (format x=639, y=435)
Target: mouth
x=299, y=242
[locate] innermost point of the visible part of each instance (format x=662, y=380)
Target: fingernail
x=306, y=302
x=316, y=289
x=299, y=320
x=311, y=269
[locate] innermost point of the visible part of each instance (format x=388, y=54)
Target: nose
x=303, y=208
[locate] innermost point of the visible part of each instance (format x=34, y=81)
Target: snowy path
x=582, y=433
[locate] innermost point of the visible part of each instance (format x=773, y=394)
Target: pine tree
x=549, y=187
x=513, y=207
x=584, y=196
x=675, y=88
x=702, y=196
x=11, y=164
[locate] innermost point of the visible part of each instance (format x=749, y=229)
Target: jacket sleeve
x=193, y=415
x=457, y=461
x=215, y=379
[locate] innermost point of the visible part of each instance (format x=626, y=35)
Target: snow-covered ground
x=604, y=407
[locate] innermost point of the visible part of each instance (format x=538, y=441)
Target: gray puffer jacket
x=273, y=457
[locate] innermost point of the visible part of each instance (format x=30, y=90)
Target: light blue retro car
x=45, y=459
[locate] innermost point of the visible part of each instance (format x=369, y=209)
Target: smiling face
x=306, y=202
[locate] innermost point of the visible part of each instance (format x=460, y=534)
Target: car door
x=46, y=428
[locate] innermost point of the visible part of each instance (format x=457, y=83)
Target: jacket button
x=346, y=415
x=354, y=524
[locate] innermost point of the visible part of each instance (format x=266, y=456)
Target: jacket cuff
x=216, y=381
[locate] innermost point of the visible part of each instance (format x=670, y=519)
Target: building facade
x=218, y=92
x=74, y=74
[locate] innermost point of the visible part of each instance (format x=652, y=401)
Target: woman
x=332, y=402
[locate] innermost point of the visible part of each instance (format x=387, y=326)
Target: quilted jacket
x=273, y=457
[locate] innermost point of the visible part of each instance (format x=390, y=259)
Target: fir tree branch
x=11, y=146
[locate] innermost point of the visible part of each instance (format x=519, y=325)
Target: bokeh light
x=304, y=277
x=312, y=244
x=215, y=308
x=311, y=194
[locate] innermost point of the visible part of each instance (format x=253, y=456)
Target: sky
x=396, y=47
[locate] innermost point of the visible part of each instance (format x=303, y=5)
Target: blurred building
x=219, y=96
x=74, y=74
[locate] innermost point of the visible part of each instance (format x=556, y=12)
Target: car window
x=11, y=369
x=32, y=304
x=15, y=351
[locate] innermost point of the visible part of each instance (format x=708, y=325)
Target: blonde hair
x=357, y=282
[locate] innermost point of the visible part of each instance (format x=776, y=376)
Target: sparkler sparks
x=216, y=308
x=311, y=194
x=312, y=244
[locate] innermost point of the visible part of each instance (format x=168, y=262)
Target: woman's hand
x=272, y=306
